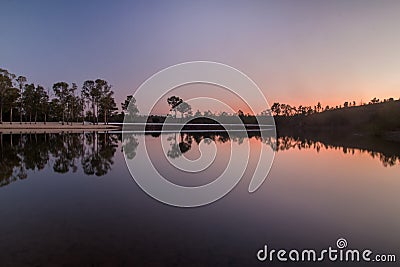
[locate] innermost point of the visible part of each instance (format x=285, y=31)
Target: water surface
x=69, y=200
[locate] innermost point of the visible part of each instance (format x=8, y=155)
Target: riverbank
x=380, y=120
x=17, y=127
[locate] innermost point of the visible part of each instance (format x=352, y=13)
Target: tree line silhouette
x=282, y=109
x=67, y=103
x=94, y=101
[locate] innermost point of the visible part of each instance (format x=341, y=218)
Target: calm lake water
x=69, y=200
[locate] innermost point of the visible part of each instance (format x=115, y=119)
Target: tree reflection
x=20, y=153
x=174, y=151
x=388, y=155
x=181, y=147
x=8, y=160
x=129, y=146
x=99, y=150
x=94, y=152
x=186, y=139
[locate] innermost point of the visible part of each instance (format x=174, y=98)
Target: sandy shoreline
x=16, y=127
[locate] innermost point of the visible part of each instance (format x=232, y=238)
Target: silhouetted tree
x=61, y=90
x=174, y=102
x=107, y=103
x=6, y=80
x=28, y=100
x=10, y=101
x=129, y=106
x=55, y=109
x=197, y=113
x=41, y=101
x=72, y=102
x=183, y=108
x=374, y=101
x=319, y=107
x=276, y=109
x=90, y=94
x=21, y=80
x=101, y=88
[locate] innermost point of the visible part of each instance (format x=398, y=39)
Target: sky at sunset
x=298, y=52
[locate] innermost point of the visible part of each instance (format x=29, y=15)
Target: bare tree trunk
x=97, y=112
x=72, y=109
x=35, y=117
x=1, y=111
x=20, y=106
x=63, y=117
x=94, y=113
x=11, y=115
x=45, y=118
x=20, y=113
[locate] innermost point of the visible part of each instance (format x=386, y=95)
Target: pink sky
x=298, y=52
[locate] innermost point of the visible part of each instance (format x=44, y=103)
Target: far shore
x=53, y=126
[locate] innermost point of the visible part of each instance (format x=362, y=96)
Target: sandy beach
x=16, y=127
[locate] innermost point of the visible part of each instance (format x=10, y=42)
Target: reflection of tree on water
x=33, y=151
x=98, y=156
x=174, y=151
x=8, y=160
x=177, y=149
x=20, y=153
x=185, y=143
x=386, y=153
x=388, y=158
x=129, y=146
x=186, y=138
x=63, y=151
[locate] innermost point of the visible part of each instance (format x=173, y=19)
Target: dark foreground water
x=69, y=200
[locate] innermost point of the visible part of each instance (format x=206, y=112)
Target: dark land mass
x=373, y=128
x=381, y=120
x=377, y=121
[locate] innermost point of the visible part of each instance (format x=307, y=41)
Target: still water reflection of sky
x=309, y=200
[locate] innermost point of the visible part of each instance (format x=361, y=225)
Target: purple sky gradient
x=298, y=52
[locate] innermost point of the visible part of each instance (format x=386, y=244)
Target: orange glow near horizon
x=188, y=92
